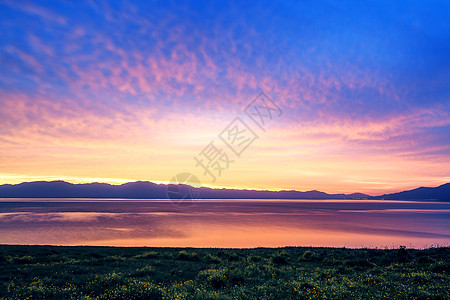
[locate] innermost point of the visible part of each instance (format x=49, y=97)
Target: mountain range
x=150, y=190
x=441, y=192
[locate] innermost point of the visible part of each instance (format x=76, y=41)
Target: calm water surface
x=225, y=223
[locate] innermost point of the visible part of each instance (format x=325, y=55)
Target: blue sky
x=360, y=84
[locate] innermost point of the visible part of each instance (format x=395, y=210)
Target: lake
x=225, y=223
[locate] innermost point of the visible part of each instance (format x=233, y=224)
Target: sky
x=356, y=96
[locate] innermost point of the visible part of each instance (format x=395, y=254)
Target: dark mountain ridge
x=150, y=190
x=441, y=193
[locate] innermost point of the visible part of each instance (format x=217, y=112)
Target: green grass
x=46, y=272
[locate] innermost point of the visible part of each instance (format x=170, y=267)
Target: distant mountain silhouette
x=62, y=189
x=147, y=190
x=423, y=193
x=150, y=190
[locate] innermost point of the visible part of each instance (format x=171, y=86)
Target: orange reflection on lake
x=225, y=223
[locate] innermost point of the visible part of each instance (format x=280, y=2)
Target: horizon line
x=202, y=186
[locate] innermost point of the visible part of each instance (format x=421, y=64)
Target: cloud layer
x=134, y=91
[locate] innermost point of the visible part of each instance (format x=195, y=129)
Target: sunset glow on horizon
x=117, y=92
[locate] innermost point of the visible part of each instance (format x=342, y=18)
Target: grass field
x=46, y=272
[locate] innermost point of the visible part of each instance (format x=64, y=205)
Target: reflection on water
x=224, y=223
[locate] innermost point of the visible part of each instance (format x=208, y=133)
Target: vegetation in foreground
x=46, y=272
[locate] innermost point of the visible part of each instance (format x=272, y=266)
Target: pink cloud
x=40, y=11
